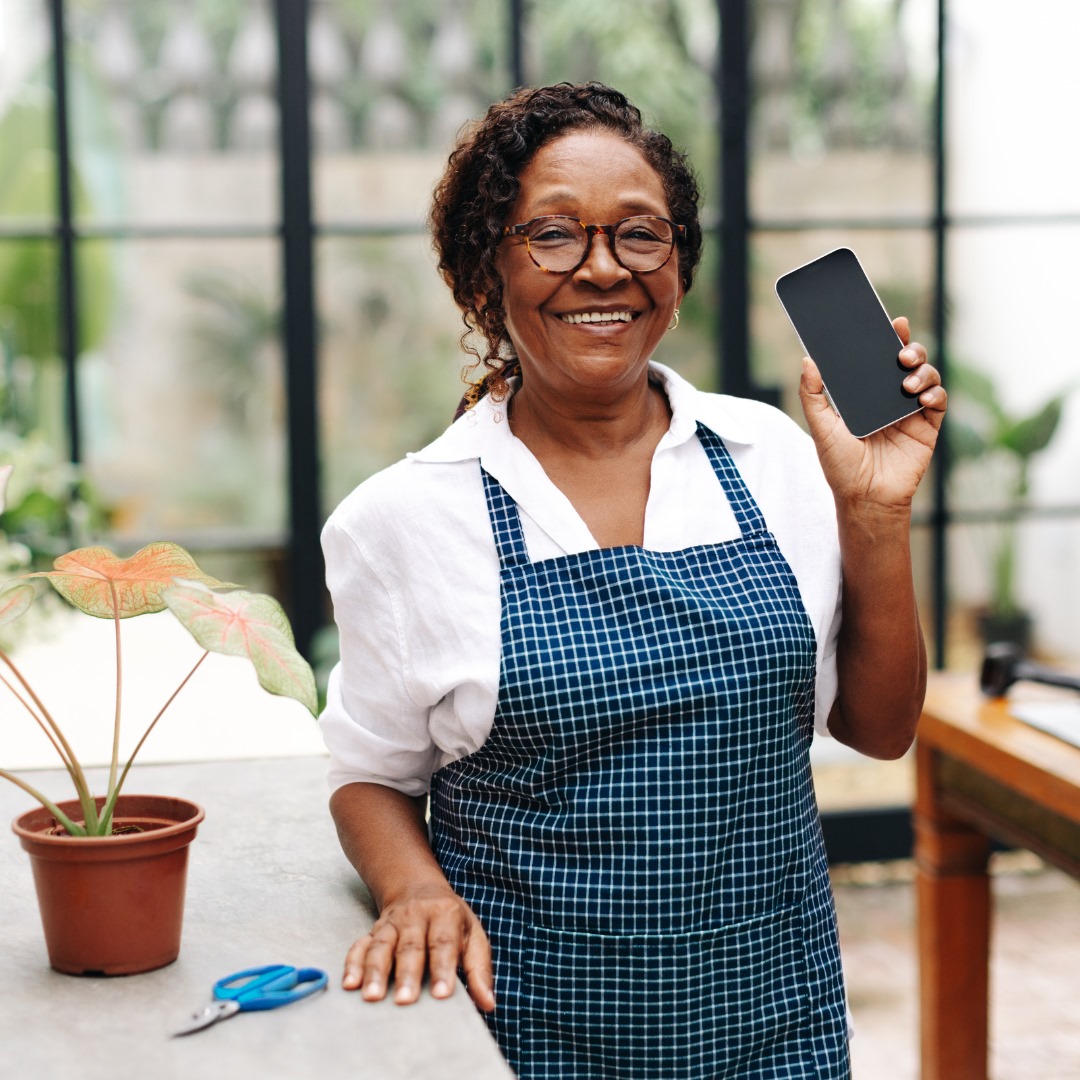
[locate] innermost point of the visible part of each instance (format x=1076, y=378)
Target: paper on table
x=1060, y=718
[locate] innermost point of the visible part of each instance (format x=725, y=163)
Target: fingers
x=924, y=381
x=444, y=947
x=416, y=938
x=354, y=964
x=479, y=977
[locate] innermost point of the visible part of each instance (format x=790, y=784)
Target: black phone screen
x=847, y=333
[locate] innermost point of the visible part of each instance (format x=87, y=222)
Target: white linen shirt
x=414, y=574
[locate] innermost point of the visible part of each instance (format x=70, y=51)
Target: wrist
x=877, y=519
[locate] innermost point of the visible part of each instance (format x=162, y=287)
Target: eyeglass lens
x=559, y=243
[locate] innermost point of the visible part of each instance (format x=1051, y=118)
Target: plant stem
x=41, y=724
x=71, y=762
x=114, y=791
x=114, y=762
x=75, y=830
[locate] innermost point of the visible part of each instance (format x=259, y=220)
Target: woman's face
x=597, y=177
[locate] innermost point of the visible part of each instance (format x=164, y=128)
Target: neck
x=591, y=427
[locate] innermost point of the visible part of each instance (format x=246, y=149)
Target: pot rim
x=31, y=825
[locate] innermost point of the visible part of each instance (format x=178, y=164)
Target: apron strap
x=747, y=514
x=505, y=523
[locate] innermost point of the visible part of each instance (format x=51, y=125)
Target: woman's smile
x=596, y=316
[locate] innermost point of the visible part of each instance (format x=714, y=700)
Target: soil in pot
x=112, y=905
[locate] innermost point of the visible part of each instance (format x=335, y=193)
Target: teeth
x=599, y=316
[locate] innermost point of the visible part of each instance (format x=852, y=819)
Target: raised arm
x=423, y=924
x=881, y=656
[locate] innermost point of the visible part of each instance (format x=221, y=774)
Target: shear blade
x=218, y=1010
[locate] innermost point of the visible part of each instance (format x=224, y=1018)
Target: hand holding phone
x=845, y=330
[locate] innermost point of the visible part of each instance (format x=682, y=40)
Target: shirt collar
x=484, y=426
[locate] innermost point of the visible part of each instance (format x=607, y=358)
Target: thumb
x=820, y=415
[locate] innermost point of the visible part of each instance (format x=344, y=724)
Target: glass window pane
x=842, y=108
x=661, y=59
x=390, y=363
x=1014, y=432
x=33, y=432
x=174, y=114
x=1012, y=301
x=182, y=400
x=1046, y=588
x=392, y=85
x=1011, y=140
x=27, y=154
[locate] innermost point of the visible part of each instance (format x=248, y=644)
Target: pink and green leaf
x=247, y=624
x=88, y=577
x=15, y=600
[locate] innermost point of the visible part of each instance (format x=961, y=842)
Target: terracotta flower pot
x=112, y=905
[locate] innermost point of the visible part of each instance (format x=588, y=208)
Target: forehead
x=590, y=169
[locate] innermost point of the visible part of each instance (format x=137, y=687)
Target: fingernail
x=911, y=382
x=403, y=995
x=440, y=989
x=372, y=988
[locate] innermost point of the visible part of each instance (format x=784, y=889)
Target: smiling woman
x=596, y=623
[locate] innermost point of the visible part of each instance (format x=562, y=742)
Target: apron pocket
x=718, y=1003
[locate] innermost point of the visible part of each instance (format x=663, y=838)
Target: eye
x=554, y=231
x=645, y=232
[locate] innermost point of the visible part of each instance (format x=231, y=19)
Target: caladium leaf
x=87, y=577
x=246, y=624
x=15, y=600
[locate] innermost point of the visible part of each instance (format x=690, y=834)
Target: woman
x=598, y=620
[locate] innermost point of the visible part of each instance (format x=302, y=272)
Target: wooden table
x=981, y=774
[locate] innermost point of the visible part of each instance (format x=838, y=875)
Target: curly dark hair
x=480, y=184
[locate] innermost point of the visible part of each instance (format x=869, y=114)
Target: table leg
x=953, y=903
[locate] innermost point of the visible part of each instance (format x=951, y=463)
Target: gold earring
x=673, y=325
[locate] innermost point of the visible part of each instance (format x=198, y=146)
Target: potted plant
x=982, y=430
x=110, y=869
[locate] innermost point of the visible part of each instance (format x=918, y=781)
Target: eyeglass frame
x=677, y=232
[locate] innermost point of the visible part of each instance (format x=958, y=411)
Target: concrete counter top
x=267, y=883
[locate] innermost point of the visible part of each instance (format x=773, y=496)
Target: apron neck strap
x=505, y=522
x=747, y=514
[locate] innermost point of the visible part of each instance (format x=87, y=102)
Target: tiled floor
x=1035, y=970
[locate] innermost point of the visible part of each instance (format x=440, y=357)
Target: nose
x=600, y=266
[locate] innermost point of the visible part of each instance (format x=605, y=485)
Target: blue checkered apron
x=639, y=834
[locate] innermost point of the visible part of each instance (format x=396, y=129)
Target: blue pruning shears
x=257, y=988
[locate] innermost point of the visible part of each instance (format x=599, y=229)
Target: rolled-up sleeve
x=374, y=730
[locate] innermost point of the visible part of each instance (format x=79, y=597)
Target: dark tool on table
x=1004, y=664
x=257, y=988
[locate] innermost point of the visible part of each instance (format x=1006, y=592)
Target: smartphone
x=845, y=330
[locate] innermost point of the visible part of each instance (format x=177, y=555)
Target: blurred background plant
x=994, y=448
x=50, y=507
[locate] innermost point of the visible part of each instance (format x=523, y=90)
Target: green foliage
x=29, y=267
x=862, y=37
x=981, y=425
x=646, y=48
x=982, y=432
